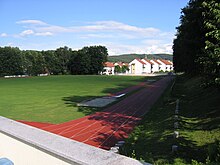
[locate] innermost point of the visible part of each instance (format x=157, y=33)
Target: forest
x=63, y=60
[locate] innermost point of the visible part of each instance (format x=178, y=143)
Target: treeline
x=64, y=60
x=196, y=47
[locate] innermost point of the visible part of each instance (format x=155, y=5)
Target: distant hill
x=129, y=57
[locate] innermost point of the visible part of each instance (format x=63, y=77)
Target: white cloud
x=44, y=34
x=26, y=32
x=36, y=22
x=117, y=49
x=3, y=35
x=101, y=26
x=118, y=37
x=151, y=42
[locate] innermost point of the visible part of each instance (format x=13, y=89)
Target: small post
x=176, y=125
x=114, y=149
x=174, y=148
x=176, y=111
x=176, y=117
x=176, y=134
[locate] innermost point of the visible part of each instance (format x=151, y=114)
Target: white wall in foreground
x=22, y=154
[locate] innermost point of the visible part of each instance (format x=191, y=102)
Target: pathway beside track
x=104, y=129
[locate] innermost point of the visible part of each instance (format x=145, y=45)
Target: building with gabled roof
x=148, y=65
x=137, y=66
x=156, y=65
x=109, y=68
x=165, y=65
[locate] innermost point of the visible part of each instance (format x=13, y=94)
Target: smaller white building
x=137, y=66
x=148, y=65
x=156, y=66
x=166, y=65
x=109, y=68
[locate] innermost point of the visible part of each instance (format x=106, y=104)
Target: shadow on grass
x=72, y=101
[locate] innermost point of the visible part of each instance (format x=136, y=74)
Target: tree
x=33, y=62
x=124, y=68
x=10, y=61
x=211, y=60
x=98, y=55
x=51, y=62
x=63, y=56
x=80, y=63
x=196, y=48
x=190, y=41
x=117, y=69
x=88, y=60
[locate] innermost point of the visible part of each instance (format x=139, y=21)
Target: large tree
x=10, y=61
x=33, y=62
x=80, y=63
x=98, y=55
x=190, y=40
x=52, y=62
x=63, y=55
x=211, y=60
x=196, y=47
x=88, y=60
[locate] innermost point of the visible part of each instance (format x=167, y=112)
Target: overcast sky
x=123, y=26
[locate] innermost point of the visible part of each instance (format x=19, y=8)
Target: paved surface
x=104, y=129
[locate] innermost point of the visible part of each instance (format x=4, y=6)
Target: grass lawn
x=199, y=126
x=53, y=99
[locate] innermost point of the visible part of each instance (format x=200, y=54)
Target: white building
x=137, y=66
x=109, y=68
x=156, y=65
x=166, y=65
x=148, y=65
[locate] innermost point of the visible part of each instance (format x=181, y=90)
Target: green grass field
x=53, y=99
x=199, y=126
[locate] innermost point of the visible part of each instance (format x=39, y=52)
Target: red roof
x=148, y=61
x=166, y=62
x=156, y=62
x=109, y=64
x=139, y=60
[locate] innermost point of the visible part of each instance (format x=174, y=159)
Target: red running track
x=104, y=129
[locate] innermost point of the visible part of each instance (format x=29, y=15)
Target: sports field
x=53, y=99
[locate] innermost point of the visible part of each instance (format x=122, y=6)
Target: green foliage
x=33, y=62
x=52, y=63
x=88, y=60
x=214, y=151
x=63, y=60
x=124, y=68
x=118, y=69
x=63, y=57
x=98, y=55
x=10, y=61
x=196, y=48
